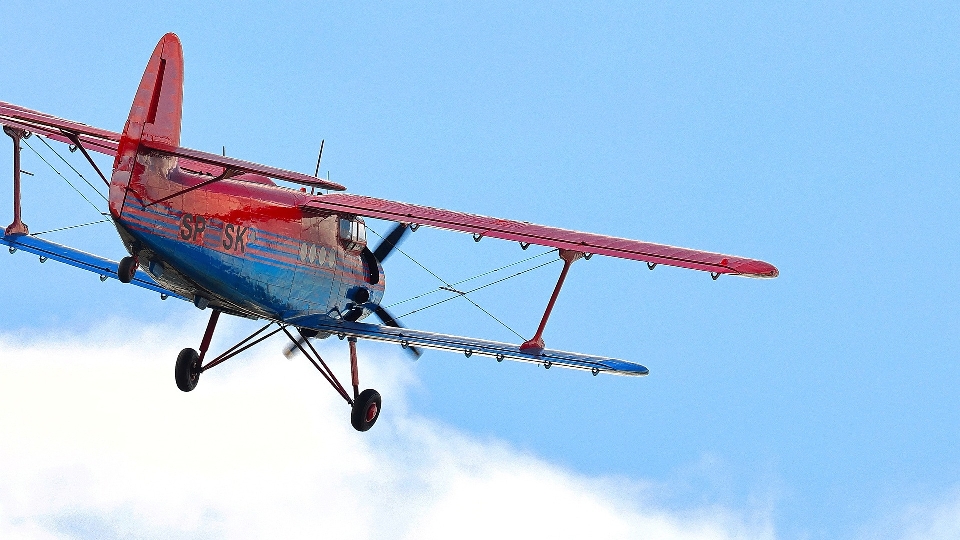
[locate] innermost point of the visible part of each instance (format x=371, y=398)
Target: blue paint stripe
x=157, y=224
x=271, y=262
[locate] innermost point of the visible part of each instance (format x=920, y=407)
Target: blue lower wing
x=468, y=346
x=81, y=259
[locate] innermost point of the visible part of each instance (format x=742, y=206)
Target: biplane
x=221, y=233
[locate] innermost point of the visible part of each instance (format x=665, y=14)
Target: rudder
x=154, y=117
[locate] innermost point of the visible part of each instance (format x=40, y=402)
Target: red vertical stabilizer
x=154, y=116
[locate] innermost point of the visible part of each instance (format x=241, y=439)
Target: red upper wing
x=105, y=141
x=96, y=139
x=539, y=234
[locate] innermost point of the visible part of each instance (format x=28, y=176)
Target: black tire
x=126, y=269
x=187, y=371
x=366, y=410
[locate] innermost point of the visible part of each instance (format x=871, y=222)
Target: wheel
x=366, y=410
x=127, y=269
x=187, y=371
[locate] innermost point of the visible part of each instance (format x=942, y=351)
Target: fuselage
x=239, y=243
x=243, y=244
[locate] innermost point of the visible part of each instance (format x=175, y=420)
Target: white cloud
x=97, y=442
x=931, y=520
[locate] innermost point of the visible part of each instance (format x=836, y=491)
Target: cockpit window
x=353, y=234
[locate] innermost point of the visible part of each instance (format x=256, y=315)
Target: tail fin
x=154, y=116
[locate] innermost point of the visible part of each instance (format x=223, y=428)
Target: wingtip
x=641, y=372
x=757, y=269
x=622, y=367
x=770, y=273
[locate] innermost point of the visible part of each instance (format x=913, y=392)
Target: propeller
x=390, y=241
x=361, y=297
x=383, y=250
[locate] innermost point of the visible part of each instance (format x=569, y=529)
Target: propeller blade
x=293, y=348
x=388, y=320
x=385, y=316
x=390, y=241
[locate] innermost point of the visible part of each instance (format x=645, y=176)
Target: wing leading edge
x=520, y=231
x=468, y=346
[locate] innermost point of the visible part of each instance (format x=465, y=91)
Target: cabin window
x=353, y=234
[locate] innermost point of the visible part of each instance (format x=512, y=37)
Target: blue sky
x=818, y=136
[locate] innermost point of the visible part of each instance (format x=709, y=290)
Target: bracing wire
x=472, y=278
x=70, y=227
x=44, y=141
x=480, y=287
x=405, y=254
x=64, y=177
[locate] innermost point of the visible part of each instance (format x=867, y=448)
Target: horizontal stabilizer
x=241, y=166
x=81, y=259
x=468, y=346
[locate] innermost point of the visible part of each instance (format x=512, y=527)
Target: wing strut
x=18, y=226
x=535, y=344
x=227, y=173
x=76, y=142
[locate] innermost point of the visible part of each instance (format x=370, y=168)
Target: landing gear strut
x=366, y=405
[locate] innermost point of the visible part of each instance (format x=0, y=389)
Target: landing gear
x=189, y=362
x=366, y=410
x=187, y=371
x=127, y=269
x=364, y=406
